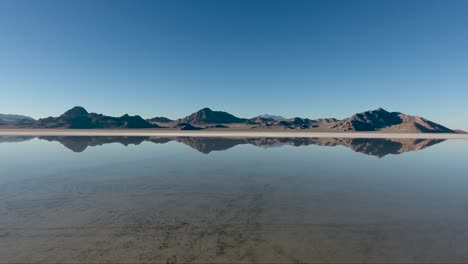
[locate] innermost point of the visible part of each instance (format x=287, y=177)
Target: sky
x=292, y=58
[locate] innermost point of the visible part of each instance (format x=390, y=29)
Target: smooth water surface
x=134, y=199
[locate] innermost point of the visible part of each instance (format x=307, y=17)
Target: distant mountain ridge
x=160, y=119
x=274, y=117
x=79, y=118
x=380, y=119
x=208, y=116
x=372, y=120
x=6, y=119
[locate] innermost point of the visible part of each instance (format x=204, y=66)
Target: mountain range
x=373, y=120
x=79, y=118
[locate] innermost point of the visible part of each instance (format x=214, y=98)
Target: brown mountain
x=382, y=120
x=208, y=116
x=78, y=117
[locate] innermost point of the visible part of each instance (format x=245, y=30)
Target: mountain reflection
x=368, y=146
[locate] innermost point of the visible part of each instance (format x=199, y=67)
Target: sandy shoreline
x=227, y=134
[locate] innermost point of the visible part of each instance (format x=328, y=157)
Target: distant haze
x=290, y=58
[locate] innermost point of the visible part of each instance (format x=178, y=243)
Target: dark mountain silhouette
x=217, y=126
x=160, y=119
x=187, y=126
x=208, y=116
x=381, y=119
x=78, y=117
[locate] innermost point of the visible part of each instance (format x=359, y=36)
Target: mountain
x=274, y=117
x=160, y=119
x=291, y=123
x=187, y=126
x=382, y=120
x=261, y=120
x=78, y=117
x=208, y=116
x=6, y=119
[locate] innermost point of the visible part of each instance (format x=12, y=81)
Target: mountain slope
x=78, y=117
x=208, y=116
x=6, y=119
x=274, y=117
x=291, y=123
x=382, y=120
x=160, y=119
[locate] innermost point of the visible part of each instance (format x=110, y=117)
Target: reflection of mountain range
x=79, y=144
x=373, y=147
x=13, y=139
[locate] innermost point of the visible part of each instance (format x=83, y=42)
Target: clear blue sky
x=294, y=58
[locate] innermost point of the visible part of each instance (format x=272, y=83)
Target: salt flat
x=218, y=133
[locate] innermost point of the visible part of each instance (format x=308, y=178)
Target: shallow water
x=137, y=199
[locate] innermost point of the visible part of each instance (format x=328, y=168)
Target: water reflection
x=368, y=146
x=163, y=204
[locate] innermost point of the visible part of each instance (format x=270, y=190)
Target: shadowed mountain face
x=208, y=116
x=78, y=117
x=373, y=147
